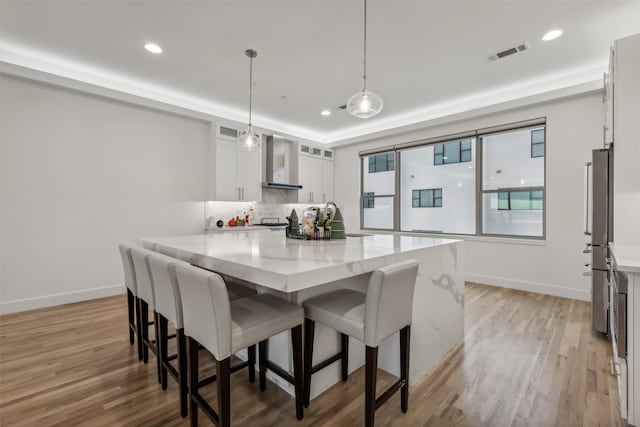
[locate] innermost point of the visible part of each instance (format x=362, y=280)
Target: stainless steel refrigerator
x=599, y=225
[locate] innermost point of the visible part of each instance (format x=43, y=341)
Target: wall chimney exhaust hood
x=279, y=164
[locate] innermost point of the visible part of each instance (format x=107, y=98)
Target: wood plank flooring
x=527, y=360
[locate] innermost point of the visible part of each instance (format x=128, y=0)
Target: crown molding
x=36, y=66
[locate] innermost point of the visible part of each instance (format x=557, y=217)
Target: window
x=369, y=201
x=452, y=152
x=512, y=184
x=457, y=181
x=494, y=180
x=378, y=191
x=381, y=163
x=520, y=200
x=537, y=143
x=430, y=198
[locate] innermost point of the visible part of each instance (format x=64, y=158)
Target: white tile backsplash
x=227, y=210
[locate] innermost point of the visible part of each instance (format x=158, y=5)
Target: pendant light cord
x=364, y=74
x=250, y=86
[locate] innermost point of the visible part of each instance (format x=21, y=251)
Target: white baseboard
x=521, y=285
x=59, y=299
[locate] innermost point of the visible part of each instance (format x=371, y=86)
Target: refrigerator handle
x=587, y=167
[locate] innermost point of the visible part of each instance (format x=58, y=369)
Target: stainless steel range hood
x=279, y=164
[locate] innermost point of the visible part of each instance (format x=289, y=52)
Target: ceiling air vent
x=508, y=52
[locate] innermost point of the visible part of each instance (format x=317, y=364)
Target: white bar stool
x=168, y=306
x=132, y=296
x=224, y=327
x=370, y=318
x=146, y=300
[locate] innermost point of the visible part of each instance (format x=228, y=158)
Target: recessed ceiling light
x=153, y=48
x=551, y=35
x=325, y=112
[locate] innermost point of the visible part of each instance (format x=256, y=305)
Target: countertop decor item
x=249, y=140
x=293, y=229
x=337, y=226
x=365, y=104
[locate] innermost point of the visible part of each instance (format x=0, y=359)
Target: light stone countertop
x=270, y=259
x=627, y=256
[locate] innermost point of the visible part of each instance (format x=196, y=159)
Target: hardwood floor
x=527, y=360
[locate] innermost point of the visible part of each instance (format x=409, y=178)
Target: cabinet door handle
x=242, y=193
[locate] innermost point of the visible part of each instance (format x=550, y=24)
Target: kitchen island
x=299, y=269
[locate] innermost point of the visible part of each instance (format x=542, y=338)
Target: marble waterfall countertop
x=270, y=259
x=627, y=256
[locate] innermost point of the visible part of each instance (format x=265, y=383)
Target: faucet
x=327, y=213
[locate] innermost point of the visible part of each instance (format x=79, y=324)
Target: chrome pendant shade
x=365, y=104
x=248, y=140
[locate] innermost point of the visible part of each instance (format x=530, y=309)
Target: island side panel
x=438, y=311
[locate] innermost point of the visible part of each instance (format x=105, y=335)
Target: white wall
x=574, y=127
x=81, y=174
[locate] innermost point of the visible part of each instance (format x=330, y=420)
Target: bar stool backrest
x=127, y=265
x=206, y=309
x=389, y=301
x=165, y=287
x=143, y=278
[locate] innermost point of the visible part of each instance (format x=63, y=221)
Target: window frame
x=538, y=123
x=396, y=163
x=480, y=192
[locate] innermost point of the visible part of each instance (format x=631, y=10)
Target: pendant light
x=365, y=104
x=249, y=140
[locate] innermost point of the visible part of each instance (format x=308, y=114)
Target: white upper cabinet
x=327, y=183
x=315, y=172
x=238, y=172
x=607, y=98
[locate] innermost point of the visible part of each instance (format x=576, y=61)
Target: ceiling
x=425, y=58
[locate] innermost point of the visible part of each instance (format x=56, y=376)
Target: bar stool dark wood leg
x=296, y=340
x=263, y=348
x=251, y=352
x=144, y=326
x=371, y=367
x=223, y=380
x=139, y=328
x=156, y=333
x=344, y=341
x=309, y=330
x=182, y=371
x=132, y=315
x=405, y=338
x=192, y=367
x=162, y=344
